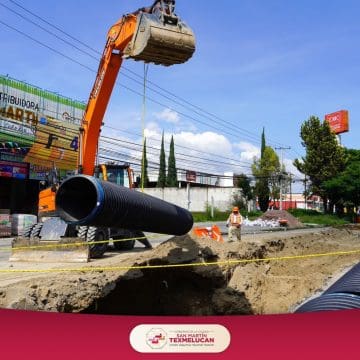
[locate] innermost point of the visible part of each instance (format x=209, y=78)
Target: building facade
x=39, y=131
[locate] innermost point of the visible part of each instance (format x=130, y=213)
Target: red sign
x=12, y=169
x=191, y=176
x=338, y=121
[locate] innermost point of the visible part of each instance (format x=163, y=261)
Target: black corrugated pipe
x=327, y=302
x=85, y=200
x=343, y=294
x=349, y=283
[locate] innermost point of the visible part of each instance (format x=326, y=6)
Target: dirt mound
x=292, y=222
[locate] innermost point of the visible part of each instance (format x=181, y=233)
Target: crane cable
x=143, y=116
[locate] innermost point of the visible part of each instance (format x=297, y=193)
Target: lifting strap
x=146, y=69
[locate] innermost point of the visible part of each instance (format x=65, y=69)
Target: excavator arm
x=118, y=38
x=155, y=35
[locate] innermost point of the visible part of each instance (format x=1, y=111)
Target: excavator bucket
x=164, y=40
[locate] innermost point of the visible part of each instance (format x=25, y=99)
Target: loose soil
x=265, y=287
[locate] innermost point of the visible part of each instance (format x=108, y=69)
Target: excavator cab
x=161, y=37
x=121, y=175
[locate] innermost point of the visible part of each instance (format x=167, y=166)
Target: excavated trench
x=172, y=292
x=189, y=290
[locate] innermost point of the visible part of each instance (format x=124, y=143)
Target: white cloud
x=248, y=151
x=152, y=129
x=168, y=115
x=207, y=141
x=187, y=147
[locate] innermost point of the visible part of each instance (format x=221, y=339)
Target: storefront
x=39, y=131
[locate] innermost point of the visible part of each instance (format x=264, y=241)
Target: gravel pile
x=276, y=215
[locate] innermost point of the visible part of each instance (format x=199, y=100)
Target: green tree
x=267, y=170
x=144, y=179
x=162, y=170
x=261, y=190
x=344, y=189
x=324, y=159
x=273, y=170
x=246, y=194
x=171, y=180
x=263, y=142
x=244, y=183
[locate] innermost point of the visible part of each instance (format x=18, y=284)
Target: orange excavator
x=154, y=35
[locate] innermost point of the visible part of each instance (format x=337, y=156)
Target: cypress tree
x=171, y=180
x=263, y=143
x=262, y=184
x=162, y=170
x=144, y=180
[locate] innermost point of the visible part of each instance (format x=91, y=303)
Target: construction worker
x=234, y=223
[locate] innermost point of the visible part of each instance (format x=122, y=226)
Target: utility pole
x=188, y=195
x=282, y=166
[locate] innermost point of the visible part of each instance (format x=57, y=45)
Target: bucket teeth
x=161, y=44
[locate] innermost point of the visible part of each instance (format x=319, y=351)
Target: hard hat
x=235, y=209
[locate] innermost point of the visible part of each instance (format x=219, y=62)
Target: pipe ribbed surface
x=349, y=283
x=337, y=301
x=85, y=200
x=343, y=294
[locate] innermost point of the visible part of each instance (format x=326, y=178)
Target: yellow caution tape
x=57, y=245
x=149, y=267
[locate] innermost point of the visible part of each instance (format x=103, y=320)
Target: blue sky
x=258, y=64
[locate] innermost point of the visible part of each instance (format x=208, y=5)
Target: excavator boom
x=153, y=35
x=158, y=37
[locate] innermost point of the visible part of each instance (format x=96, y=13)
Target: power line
x=155, y=166
x=71, y=59
x=177, y=153
x=133, y=147
x=44, y=134
x=92, y=70
x=195, y=164
x=52, y=25
x=48, y=31
x=43, y=141
x=179, y=146
x=250, y=135
x=46, y=46
x=76, y=132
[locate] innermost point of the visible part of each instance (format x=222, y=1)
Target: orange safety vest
x=235, y=219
